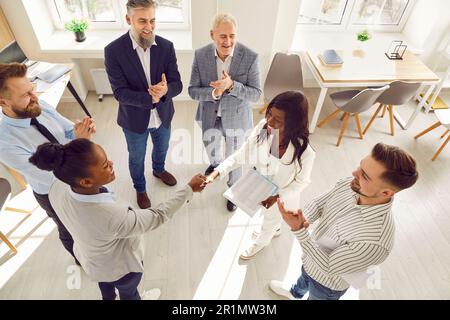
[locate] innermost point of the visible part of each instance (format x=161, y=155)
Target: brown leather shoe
x=166, y=177
x=143, y=200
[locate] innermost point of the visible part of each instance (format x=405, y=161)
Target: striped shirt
x=364, y=235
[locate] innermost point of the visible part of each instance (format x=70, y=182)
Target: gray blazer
x=236, y=105
x=107, y=235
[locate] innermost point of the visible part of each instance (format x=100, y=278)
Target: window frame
x=348, y=25
x=119, y=8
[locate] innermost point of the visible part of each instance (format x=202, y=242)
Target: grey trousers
x=212, y=140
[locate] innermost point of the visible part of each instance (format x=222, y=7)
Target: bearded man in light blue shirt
x=25, y=123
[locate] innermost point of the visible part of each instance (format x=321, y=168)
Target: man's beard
x=144, y=42
x=33, y=110
x=357, y=188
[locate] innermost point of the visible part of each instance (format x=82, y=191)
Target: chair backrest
x=363, y=100
x=5, y=192
x=443, y=116
x=285, y=74
x=399, y=93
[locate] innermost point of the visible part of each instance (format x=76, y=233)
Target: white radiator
x=101, y=82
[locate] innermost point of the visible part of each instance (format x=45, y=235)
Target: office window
x=347, y=14
x=383, y=12
x=110, y=14
x=92, y=10
x=322, y=11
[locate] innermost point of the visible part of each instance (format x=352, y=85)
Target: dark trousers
x=64, y=234
x=127, y=287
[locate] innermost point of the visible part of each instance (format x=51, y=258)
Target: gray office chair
x=5, y=193
x=398, y=94
x=285, y=74
x=352, y=102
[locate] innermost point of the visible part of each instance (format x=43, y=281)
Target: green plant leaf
x=363, y=35
x=76, y=25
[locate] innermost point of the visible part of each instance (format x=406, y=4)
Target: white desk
x=52, y=92
x=363, y=68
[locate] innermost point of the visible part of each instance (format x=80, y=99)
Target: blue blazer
x=129, y=83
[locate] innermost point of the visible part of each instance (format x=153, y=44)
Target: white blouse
x=290, y=178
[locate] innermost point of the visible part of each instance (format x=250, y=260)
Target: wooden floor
x=196, y=254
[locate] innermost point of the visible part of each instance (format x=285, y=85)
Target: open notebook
x=250, y=190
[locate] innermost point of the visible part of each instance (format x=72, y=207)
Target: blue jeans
x=316, y=291
x=127, y=287
x=137, y=147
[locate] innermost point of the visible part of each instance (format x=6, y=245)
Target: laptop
x=13, y=53
x=48, y=72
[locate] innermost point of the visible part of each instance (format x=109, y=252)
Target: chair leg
x=19, y=179
x=434, y=126
x=343, y=127
x=328, y=119
x=440, y=149
x=20, y=210
x=9, y=244
x=384, y=111
x=263, y=108
x=445, y=133
x=391, y=118
x=358, y=125
x=373, y=118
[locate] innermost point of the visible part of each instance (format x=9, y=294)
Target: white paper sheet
x=250, y=190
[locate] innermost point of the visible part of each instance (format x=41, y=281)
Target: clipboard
x=250, y=190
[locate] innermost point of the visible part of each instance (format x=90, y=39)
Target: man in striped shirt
x=355, y=227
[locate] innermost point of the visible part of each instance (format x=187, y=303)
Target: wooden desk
x=363, y=68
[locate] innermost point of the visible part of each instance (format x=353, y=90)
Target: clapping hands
x=295, y=220
x=158, y=90
x=221, y=85
x=84, y=128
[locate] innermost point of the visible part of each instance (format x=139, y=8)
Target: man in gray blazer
x=225, y=81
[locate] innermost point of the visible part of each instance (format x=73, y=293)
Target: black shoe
x=231, y=206
x=210, y=169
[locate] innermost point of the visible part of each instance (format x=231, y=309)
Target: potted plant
x=363, y=36
x=78, y=27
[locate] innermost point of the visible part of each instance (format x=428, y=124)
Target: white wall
x=426, y=28
x=267, y=26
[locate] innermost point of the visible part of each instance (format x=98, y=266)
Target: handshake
x=199, y=181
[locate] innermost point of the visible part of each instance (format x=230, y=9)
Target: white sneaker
x=281, y=289
x=251, y=251
x=152, y=294
x=256, y=234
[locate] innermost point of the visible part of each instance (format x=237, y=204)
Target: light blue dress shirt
x=19, y=140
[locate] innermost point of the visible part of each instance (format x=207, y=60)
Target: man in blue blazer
x=143, y=72
x=225, y=81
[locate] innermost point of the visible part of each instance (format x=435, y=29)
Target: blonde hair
x=221, y=18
